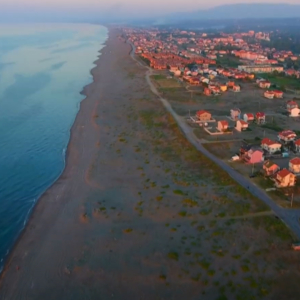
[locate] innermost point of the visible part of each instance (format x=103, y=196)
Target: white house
x=294, y=112
x=270, y=146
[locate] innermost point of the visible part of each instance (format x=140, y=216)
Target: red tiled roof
x=201, y=112
x=243, y=122
x=224, y=123
x=287, y=133
x=283, y=173
x=260, y=114
x=267, y=141
x=297, y=142
x=295, y=161
x=249, y=115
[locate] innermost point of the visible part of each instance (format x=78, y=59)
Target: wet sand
x=139, y=214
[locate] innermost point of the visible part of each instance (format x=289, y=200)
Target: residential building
x=270, y=146
x=223, y=87
x=264, y=84
x=290, y=105
x=287, y=136
x=270, y=168
x=236, y=88
x=297, y=145
x=260, y=118
x=260, y=68
x=222, y=125
x=285, y=178
x=294, y=165
x=269, y=94
x=294, y=112
x=235, y=114
x=241, y=125
x=203, y=115
x=254, y=156
x=207, y=91
x=278, y=94
x=248, y=117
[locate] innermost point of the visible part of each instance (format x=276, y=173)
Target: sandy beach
x=139, y=214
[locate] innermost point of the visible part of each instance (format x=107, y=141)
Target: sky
x=75, y=9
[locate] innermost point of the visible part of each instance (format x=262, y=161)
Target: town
x=240, y=98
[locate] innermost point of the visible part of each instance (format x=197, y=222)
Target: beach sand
x=138, y=214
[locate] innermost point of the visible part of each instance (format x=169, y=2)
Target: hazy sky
x=96, y=8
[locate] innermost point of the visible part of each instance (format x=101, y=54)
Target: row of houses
x=159, y=41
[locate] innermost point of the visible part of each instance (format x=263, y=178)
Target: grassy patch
x=179, y=192
x=173, y=255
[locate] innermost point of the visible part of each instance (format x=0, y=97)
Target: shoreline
x=137, y=211
x=67, y=162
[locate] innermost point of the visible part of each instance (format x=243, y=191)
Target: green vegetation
x=282, y=81
x=158, y=77
x=274, y=226
x=228, y=61
x=182, y=213
x=179, y=192
x=173, y=255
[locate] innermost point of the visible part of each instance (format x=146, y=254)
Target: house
x=297, y=145
x=278, y=94
x=260, y=118
x=223, y=87
x=269, y=94
x=270, y=146
x=235, y=114
x=294, y=112
x=215, y=89
x=254, y=156
x=264, y=84
x=244, y=150
x=248, y=117
x=230, y=84
x=290, y=105
x=203, y=115
x=270, y=168
x=294, y=165
x=236, y=88
x=285, y=178
x=222, y=125
x=241, y=125
x=207, y=91
x=287, y=136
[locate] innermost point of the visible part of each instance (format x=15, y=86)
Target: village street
x=289, y=216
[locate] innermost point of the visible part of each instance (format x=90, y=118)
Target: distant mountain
x=240, y=11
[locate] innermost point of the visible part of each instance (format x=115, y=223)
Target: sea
x=43, y=69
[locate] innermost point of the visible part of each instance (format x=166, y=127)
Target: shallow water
x=43, y=68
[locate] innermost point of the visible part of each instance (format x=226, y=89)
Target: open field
x=229, y=61
x=283, y=81
x=163, y=82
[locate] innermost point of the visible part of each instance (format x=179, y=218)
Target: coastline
x=136, y=212
x=68, y=159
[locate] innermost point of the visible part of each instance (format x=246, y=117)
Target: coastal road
x=289, y=216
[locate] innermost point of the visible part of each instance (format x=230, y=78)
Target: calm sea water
x=43, y=68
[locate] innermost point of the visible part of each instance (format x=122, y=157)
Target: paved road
x=289, y=216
